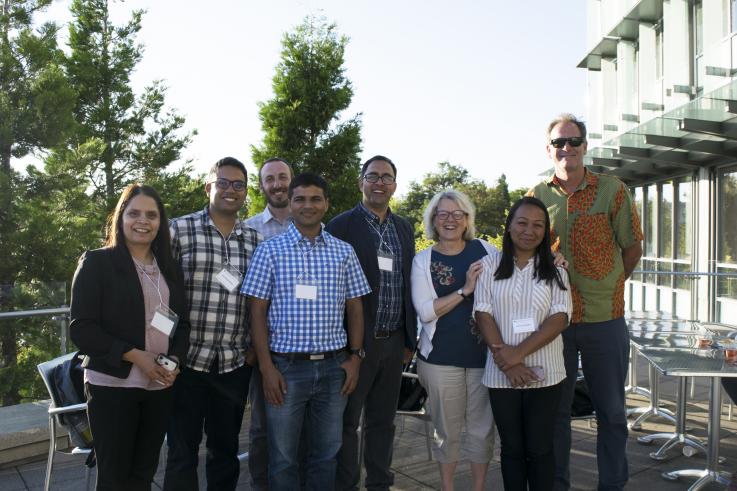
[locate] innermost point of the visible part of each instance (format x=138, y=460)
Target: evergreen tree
x=301, y=122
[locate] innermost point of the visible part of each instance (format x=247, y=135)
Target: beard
x=277, y=204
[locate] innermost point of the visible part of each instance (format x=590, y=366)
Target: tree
x=134, y=136
x=301, y=122
x=492, y=203
x=35, y=112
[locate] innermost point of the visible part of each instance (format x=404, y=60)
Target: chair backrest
x=46, y=369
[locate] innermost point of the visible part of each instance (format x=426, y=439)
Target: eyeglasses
x=576, y=141
x=374, y=178
x=223, y=184
x=457, y=215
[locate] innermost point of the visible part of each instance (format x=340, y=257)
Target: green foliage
x=301, y=122
x=125, y=137
x=491, y=203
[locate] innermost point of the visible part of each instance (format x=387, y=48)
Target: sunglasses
x=576, y=141
x=223, y=184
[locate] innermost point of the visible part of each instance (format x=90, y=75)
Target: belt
x=309, y=356
x=383, y=333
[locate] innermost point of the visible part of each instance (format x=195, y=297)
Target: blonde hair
x=463, y=202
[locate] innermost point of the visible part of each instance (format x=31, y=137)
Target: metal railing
x=58, y=314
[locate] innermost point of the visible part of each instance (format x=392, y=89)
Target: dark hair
x=374, y=159
x=544, y=266
x=161, y=246
x=308, y=179
x=226, y=162
x=566, y=118
x=275, y=159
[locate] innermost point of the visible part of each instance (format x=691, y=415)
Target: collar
x=206, y=221
x=294, y=236
x=267, y=216
x=589, y=179
x=371, y=215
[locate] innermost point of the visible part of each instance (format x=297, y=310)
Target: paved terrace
x=414, y=471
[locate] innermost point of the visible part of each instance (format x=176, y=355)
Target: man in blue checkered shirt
x=301, y=285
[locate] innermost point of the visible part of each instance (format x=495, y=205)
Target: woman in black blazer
x=128, y=307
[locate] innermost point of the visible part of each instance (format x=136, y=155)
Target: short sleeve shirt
x=590, y=227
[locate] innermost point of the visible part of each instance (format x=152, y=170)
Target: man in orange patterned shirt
x=596, y=226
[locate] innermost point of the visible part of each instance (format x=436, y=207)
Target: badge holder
x=524, y=323
x=305, y=288
x=229, y=278
x=386, y=260
x=164, y=320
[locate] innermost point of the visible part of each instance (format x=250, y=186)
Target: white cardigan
x=423, y=295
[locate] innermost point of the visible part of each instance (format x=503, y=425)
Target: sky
x=472, y=82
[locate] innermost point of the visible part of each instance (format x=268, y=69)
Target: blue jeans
x=604, y=348
x=313, y=398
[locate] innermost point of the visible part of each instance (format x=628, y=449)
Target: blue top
x=456, y=341
x=302, y=325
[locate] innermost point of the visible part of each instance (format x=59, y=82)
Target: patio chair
x=56, y=409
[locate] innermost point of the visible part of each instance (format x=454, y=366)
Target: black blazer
x=350, y=226
x=108, y=314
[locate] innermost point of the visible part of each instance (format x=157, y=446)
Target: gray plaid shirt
x=219, y=318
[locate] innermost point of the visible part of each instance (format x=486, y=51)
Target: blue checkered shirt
x=267, y=225
x=300, y=325
x=391, y=295
x=219, y=318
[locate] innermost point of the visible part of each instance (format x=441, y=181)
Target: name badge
x=386, y=261
x=305, y=292
x=164, y=320
x=229, y=279
x=521, y=326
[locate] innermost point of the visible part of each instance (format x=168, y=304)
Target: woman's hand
x=560, y=260
x=506, y=356
x=520, y=376
x=146, y=361
x=474, y=270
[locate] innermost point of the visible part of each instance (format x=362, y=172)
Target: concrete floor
x=413, y=470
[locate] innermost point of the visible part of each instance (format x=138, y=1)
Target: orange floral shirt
x=590, y=228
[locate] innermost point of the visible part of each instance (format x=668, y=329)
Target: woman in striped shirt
x=522, y=304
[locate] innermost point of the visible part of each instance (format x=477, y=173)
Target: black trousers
x=525, y=419
x=217, y=401
x=379, y=379
x=128, y=427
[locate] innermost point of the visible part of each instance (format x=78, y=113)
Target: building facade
x=662, y=116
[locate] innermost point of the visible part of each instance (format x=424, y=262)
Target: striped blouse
x=518, y=297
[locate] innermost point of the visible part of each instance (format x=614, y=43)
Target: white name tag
x=164, y=320
x=521, y=326
x=386, y=262
x=305, y=292
x=228, y=280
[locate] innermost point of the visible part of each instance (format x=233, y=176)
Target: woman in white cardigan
x=451, y=355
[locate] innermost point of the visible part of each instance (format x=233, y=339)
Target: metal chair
x=55, y=410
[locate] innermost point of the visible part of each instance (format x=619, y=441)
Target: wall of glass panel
x=726, y=287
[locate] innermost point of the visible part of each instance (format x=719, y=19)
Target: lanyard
x=380, y=234
x=140, y=268
x=227, y=249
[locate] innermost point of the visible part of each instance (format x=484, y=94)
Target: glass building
x=662, y=116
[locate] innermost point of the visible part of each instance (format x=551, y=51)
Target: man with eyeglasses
x=596, y=226
x=214, y=248
x=384, y=244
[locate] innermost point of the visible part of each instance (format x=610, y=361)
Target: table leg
x=679, y=437
x=653, y=409
x=711, y=473
x=632, y=387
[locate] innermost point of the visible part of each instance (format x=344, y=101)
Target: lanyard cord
x=381, y=234
x=227, y=249
x=140, y=268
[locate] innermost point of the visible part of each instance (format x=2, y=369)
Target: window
x=682, y=219
x=659, y=50
x=733, y=12
x=650, y=221
x=726, y=245
x=666, y=220
x=698, y=46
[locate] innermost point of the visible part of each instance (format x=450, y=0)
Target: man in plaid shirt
x=301, y=283
x=214, y=249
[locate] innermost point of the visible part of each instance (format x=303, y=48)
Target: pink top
x=152, y=284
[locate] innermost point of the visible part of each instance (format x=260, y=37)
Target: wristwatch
x=359, y=352
x=460, y=292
